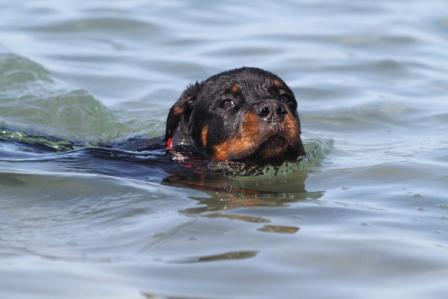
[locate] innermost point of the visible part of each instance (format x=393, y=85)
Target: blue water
x=365, y=217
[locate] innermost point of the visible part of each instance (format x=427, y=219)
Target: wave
x=30, y=98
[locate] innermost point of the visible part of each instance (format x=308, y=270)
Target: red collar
x=169, y=144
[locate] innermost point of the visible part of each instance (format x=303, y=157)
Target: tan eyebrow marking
x=235, y=88
x=277, y=83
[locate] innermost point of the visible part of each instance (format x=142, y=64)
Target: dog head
x=245, y=114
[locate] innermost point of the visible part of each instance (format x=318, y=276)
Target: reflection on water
x=364, y=215
x=248, y=198
x=279, y=229
x=237, y=255
x=234, y=217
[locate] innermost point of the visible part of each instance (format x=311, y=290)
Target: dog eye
x=227, y=103
x=284, y=96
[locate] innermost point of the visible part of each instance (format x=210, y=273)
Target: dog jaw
x=271, y=141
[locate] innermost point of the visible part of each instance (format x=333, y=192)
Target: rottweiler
x=245, y=116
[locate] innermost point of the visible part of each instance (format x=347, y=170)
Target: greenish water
x=365, y=216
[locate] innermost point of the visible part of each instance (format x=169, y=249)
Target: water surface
x=367, y=217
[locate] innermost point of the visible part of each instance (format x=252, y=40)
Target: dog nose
x=271, y=110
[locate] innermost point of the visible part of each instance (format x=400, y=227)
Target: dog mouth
x=262, y=142
x=274, y=150
x=273, y=145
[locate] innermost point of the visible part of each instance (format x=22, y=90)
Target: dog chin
x=274, y=150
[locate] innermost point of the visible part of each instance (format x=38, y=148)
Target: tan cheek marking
x=221, y=152
x=204, y=136
x=243, y=142
x=292, y=127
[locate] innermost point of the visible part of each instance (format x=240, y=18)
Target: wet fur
x=197, y=123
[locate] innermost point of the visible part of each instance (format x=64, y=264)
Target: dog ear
x=181, y=110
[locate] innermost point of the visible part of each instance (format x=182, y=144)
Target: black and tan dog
x=247, y=115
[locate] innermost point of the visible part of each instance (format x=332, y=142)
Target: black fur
x=204, y=105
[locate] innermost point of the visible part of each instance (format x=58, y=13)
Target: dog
x=246, y=115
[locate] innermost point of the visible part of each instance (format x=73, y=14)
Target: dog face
x=246, y=114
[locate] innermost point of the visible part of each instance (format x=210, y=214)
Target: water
x=366, y=218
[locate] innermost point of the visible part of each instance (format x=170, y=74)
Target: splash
x=47, y=143
x=316, y=150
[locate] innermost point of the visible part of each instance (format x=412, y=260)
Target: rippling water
x=366, y=218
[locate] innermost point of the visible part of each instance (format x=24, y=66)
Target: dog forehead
x=245, y=83
x=247, y=77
